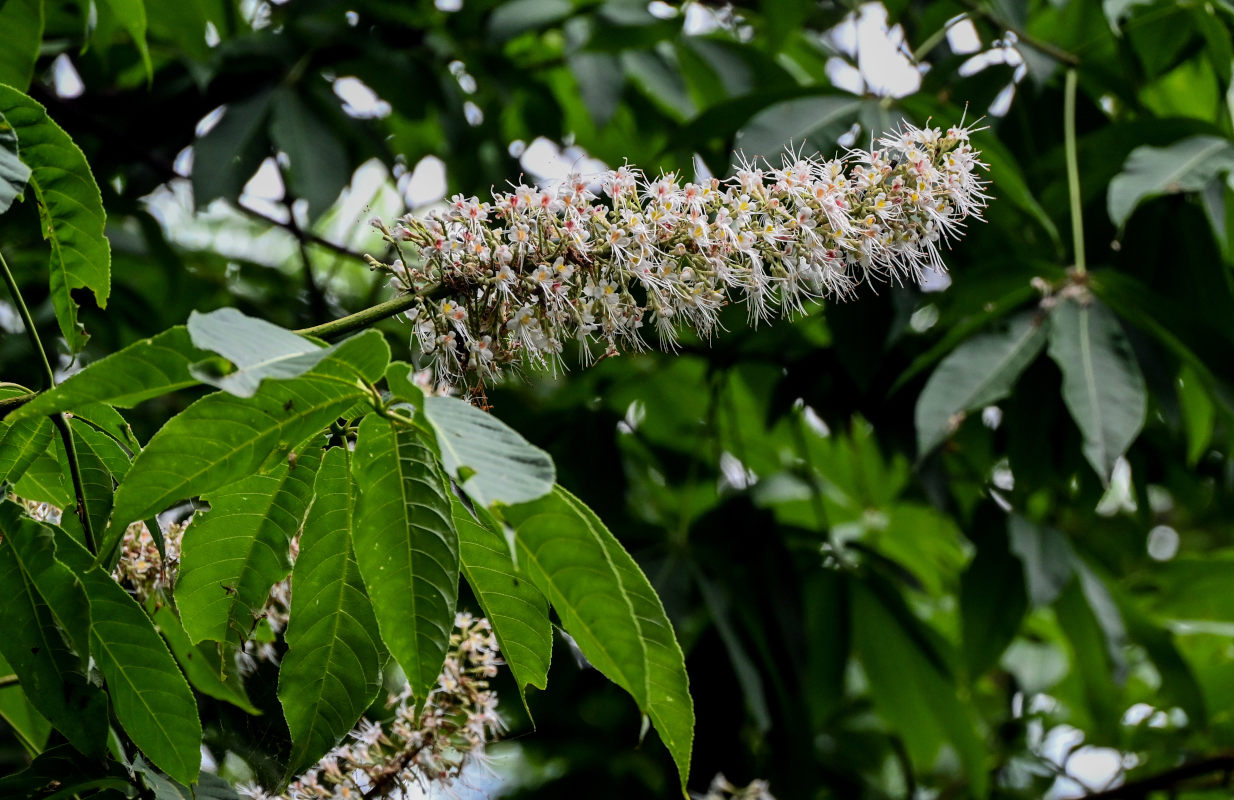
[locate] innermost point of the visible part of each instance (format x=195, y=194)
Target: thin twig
x=1171, y=779
x=365, y=318
x=59, y=420
x=291, y=227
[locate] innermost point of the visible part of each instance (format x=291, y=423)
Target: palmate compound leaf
x=232, y=555
x=517, y=610
x=1103, y=387
x=222, y=438
x=609, y=607
x=979, y=372
x=406, y=546
x=332, y=669
x=70, y=209
x=490, y=460
x=150, y=697
x=38, y=651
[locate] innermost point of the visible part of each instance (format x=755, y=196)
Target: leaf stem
x=1073, y=172
x=59, y=420
x=365, y=318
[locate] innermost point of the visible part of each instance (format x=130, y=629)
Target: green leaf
x=979, y=372
x=1185, y=166
x=517, y=610
x=228, y=155
x=212, y=787
x=257, y=348
x=147, y=368
x=149, y=695
x=911, y=692
x=59, y=772
x=131, y=14
x=332, y=669
x=1046, y=556
x=319, y=166
x=507, y=468
x=518, y=16
x=1197, y=411
x=23, y=441
x=21, y=36
x=201, y=664
x=1102, y=384
x=813, y=122
x=162, y=787
x=46, y=481
x=993, y=601
x=99, y=458
x=406, y=547
x=237, y=550
x=44, y=661
x=70, y=209
x=608, y=606
x=31, y=728
x=221, y=438
x=13, y=171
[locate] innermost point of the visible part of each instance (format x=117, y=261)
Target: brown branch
x=1170, y=780
x=305, y=236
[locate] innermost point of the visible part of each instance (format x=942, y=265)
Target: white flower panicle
x=458, y=719
x=599, y=260
x=723, y=789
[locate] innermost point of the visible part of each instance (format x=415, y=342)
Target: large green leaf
x=517, y=610
x=406, y=547
x=23, y=441
x=21, y=36
x=979, y=372
x=1046, y=556
x=1102, y=384
x=332, y=669
x=1185, y=166
x=815, y=122
x=44, y=661
x=222, y=438
x=233, y=554
x=319, y=167
x=993, y=601
x=147, y=368
x=70, y=209
x=202, y=665
x=257, y=348
x=131, y=14
x=31, y=728
x=228, y=155
x=13, y=171
x=149, y=695
x=488, y=458
x=98, y=459
x=911, y=692
x=608, y=606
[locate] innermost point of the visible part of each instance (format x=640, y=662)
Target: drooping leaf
x=257, y=348
x=163, y=787
x=517, y=610
x=332, y=669
x=1185, y=166
x=979, y=372
x=212, y=787
x=44, y=661
x=319, y=167
x=147, y=368
x=608, y=606
x=131, y=14
x=1102, y=384
x=149, y=695
x=13, y=171
x=1046, y=556
x=512, y=18
x=21, y=35
x=222, y=438
x=406, y=547
x=23, y=441
x=993, y=601
x=1197, y=411
x=811, y=122
x=233, y=554
x=201, y=664
x=229, y=153
x=912, y=693
x=504, y=467
x=70, y=209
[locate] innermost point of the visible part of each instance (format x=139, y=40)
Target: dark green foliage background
x=858, y=672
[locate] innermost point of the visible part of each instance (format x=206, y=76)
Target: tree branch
x=1166, y=781
x=295, y=230
x=1053, y=51
x=365, y=318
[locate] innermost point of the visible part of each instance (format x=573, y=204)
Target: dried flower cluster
x=509, y=283
x=458, y=719
x=722, y=789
